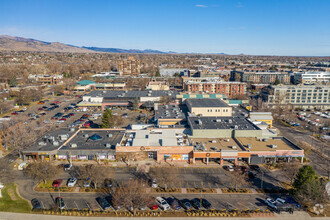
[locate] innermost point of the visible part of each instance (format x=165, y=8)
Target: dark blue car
x=174, y=203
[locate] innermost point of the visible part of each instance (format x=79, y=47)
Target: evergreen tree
x=308, y=186
x=107, y=119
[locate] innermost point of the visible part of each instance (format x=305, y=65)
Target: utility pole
x=262, y=180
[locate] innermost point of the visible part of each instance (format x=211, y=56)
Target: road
x=319, y=161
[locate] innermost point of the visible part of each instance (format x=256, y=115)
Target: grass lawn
x=11, y=201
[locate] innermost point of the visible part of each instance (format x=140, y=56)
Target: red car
x=71, y=114
x=14, y=113
x=57, y=182
x=63, y=119
x=57, y=102
x=154, y=207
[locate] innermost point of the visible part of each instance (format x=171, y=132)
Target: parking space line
x=76, y=204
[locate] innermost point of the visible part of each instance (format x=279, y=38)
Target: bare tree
x=237, y=179
x=42, y=171
x=132, y=194
x=97, y=173
x=4, y=107
x=165, y=176
x=290, y=170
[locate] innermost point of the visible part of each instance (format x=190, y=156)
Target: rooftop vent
x=227, y=140
x=230, y=121
x=73, y=145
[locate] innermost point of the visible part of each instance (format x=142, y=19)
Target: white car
x=154, y=183
x=271, y=203
x=230, y=168
x=280, y=201
x=72, y=182
x=162, y=203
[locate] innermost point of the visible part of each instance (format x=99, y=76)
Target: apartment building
x=129, y=66
x=261, y=77
x=303, y=96
x=312, y=77
x=47, y=79
x=230, y=89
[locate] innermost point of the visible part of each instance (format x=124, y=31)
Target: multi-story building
x=312, y=77
x=128, y=66
x=157, y=85
x=230, y=89
x=261, y=77
x=209, y=107
x=47, y=79
x=302, y=96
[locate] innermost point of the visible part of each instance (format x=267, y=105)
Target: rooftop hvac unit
x=51, y=138
x=199, y=121
x=236, y=127
x=234, y=147
x=56, y=143
x=85, y=135
x=73, y=145
x=218, y=120
x=230, y=121
x=273, y=146
x=72, y=129
x=249, y=146
x=214, y=141
x=265, y=139
x=63, y=137
x=109, y=135
x=149, y=94
x=104, y=91
x=227, y=140
x=42, y=143
x=107, y=145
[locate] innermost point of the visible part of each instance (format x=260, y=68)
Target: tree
x=291, y=169
x=96, y=173
x=308, y=187
x=136, y=103
x=237, y=179
x=277, y=81
x=107, y=119
x=4, y=107
x=164, y=100
x=165, y=176
x=42, y=171
x=132, y=194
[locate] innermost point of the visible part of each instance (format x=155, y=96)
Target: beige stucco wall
x=213, y=112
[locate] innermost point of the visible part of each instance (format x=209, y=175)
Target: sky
x=256, y=27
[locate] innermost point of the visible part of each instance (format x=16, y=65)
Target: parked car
x=108, y=183
x=185, y=203
x=252, y=174
x=154, y=207
x=279, y=201
x=244, y=169
x=255, y=167
x=72, y=182
x=67, y=166
x=206, y=204
x=35, y=204
x=57, y=183
x=103, y=203
x=161, y=202
x=196, y=203
x=271, y=203
x=14, y=113
x=154, y=183
x=229, y=168
x=87, y=183
x=174, y=203
x=292, y=201
x=60, y=203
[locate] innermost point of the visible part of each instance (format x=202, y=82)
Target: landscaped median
x=47, y=187
x=199, y=213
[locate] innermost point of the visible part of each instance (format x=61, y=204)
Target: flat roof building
x=208, y=107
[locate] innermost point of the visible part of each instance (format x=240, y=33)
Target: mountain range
x=12, y=43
